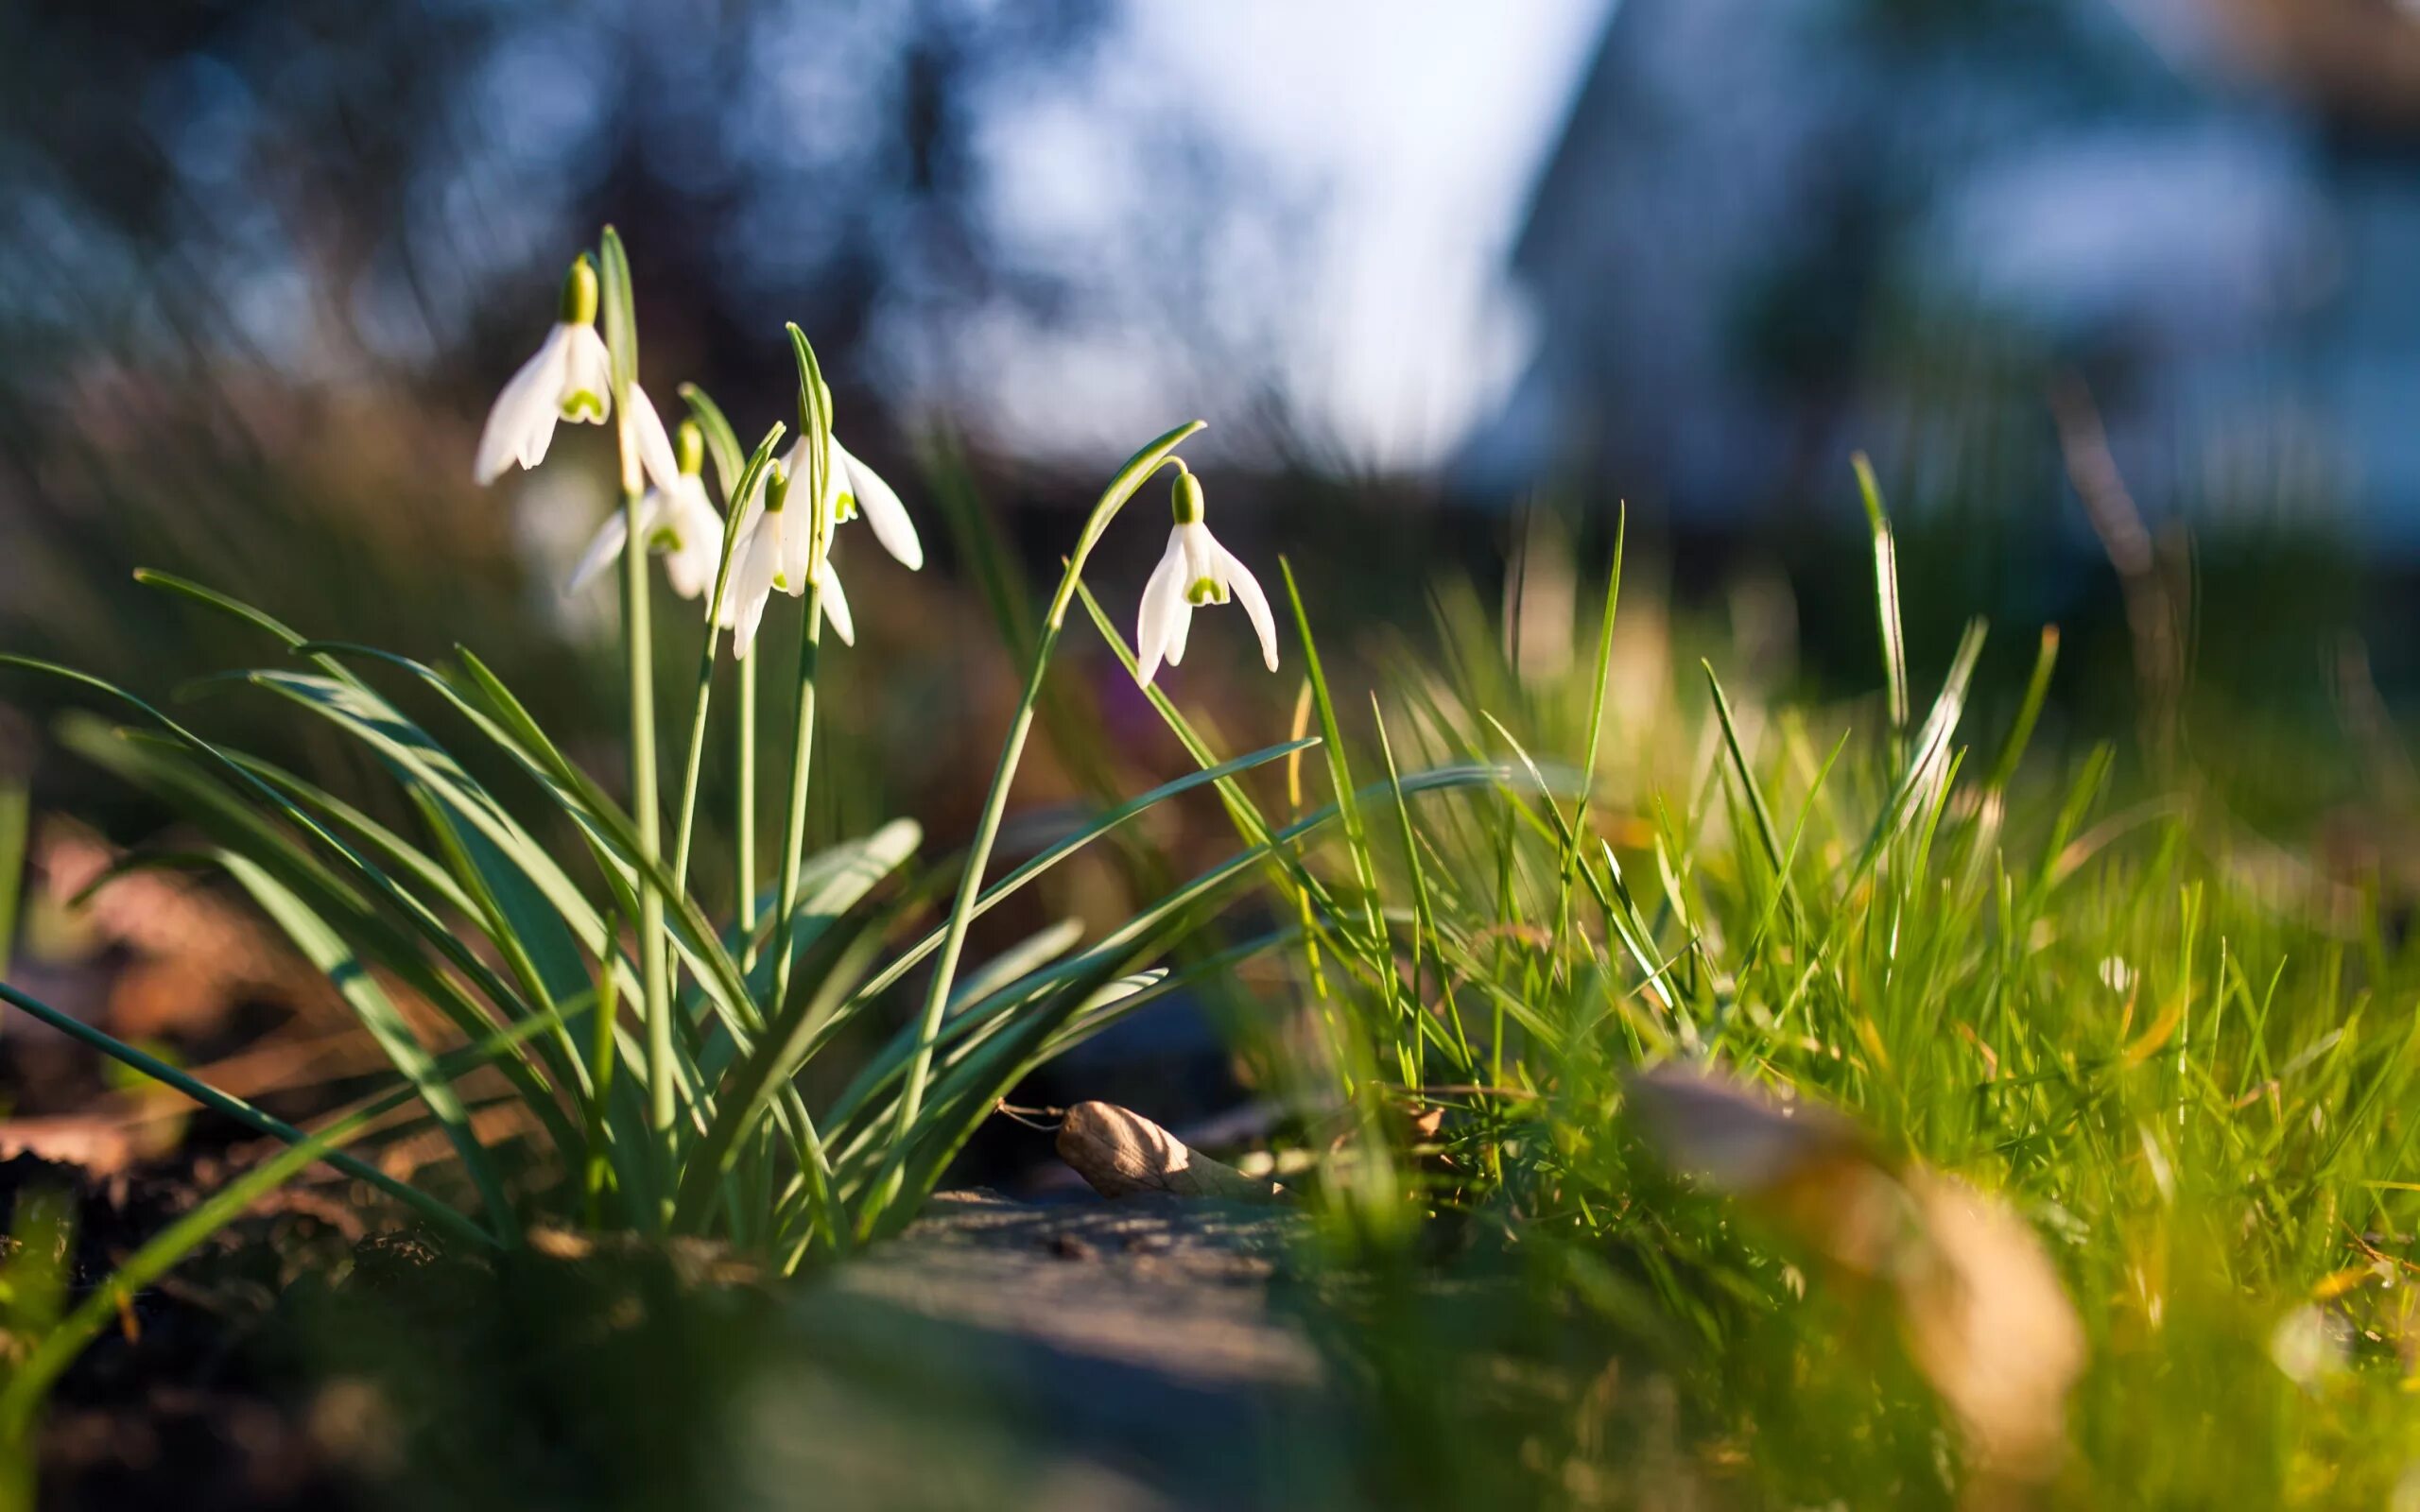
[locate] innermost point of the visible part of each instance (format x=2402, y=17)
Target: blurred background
x=2123, y=297
x=2120, y=297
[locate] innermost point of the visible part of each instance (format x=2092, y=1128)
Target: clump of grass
x=2194, y=1087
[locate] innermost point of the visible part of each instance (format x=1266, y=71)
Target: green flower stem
x=638, y=644
x=810, y=641
x=813, y=1161
x=987, y=829
x=815, y=430
x=686, y=831
x=743, y=492
x=600, y=1078
x=744, y=819
x=639, y=648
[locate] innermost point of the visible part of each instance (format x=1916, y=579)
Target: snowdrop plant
x=651, y=1045
x=1195, y=571
x=566, y=379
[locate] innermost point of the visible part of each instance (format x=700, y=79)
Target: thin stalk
x=735, y=509
x=744, y=819
x=17, y=802
x=638, y=645
x=639, y=648
x=1595, y=732
x=600, y=1079
x=815, y=431
x=811, y=1157
x=811, y=642
x=987, y=829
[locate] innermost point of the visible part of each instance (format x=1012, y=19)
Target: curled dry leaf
x=1982, y=1307
x=1990, y=1326
x=1122, y=1153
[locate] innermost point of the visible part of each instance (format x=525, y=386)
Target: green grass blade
x=326, y=950
x=722, y=444
x=1886, y=598
x=2037, y=692
x=620, y=318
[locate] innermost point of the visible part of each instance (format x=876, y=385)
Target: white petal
x=1163, y=598
x=796, y=537
x=693, y=511
x=1201, y=558
x=691, y=567
x=1245, y=588
x=882, y=510
x=751, y=615
x=693, y=562
x=655, y=447
x=752, y=584
x=588, y=370
x=835, y=606
x=1180, y=625
x=603, y=548
x=833, y=485
x=523, y=421
x=733, y=590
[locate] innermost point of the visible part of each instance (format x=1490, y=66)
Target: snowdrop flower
x=570, y=378
x=777, y=551
x=852, y=488
x=676, y=520
x=1195, y=571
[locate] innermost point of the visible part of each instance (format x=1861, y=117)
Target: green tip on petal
x=583, y=404
x=845, y=508
x=1204, y=591
x=664, y=537
x=580, y=292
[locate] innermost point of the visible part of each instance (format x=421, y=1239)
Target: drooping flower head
x=569, y=378
x=1194, y=571
x=778, y=551
x=850, y=489
x=676, y=520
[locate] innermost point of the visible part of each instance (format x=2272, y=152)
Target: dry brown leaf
x=1719, y=1129
x=1990, y=1326
x=1984, y=1316
x=1122, y=1153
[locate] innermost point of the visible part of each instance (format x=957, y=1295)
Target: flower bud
x=1185, y=498
x=580, y=293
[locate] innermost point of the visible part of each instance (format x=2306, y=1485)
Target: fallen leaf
x=1979, y=1304
x=1122, y=1153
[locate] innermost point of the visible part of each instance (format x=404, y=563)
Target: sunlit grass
x=2194, y=1087
x=1485, y=907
